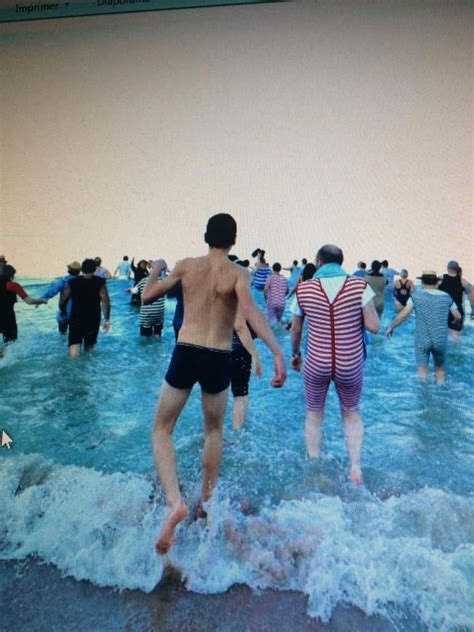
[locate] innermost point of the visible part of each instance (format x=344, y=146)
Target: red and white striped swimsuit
x=335, y=345
x=277, y=291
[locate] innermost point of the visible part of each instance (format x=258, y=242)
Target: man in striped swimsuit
x=432, y=307
x=337, y=308
x=275, y=291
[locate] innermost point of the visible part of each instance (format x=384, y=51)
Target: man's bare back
x=210, y=300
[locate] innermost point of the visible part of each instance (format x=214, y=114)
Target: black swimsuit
x=193, y=363
x=402, y=293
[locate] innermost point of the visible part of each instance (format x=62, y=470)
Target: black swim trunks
x=192, y=363
x=240, y=372
x=83, y=333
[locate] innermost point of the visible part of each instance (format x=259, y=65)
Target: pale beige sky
x=309, y=122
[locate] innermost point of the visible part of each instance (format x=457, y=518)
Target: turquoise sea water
x=77, y=487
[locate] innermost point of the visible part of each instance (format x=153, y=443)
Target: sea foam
x=408, y=556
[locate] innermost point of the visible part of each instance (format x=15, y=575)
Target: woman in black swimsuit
x=402, y=290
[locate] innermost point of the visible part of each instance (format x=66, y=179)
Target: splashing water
x=78, y=487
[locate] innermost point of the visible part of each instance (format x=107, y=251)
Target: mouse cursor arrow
x=6, y=440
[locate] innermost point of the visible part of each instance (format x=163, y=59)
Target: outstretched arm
x=398, y=320
x=260, y=326
x=153, y=289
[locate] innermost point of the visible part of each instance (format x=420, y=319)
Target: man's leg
x=354, y=431
x=169, y=408
x=422, y=372
x=214, y=409
x=239, y=411
x=439, y=372
x=74, y=351
x=312, y=432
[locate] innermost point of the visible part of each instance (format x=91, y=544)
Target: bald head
x=330, y=254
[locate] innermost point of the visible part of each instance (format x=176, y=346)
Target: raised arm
x=259, y=324
x=153, y=289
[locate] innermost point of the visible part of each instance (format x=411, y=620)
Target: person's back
x=210, y=301
x=431, y=311
x=85, y=295
x=453, y=286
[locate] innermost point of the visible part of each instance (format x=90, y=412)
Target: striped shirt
x=277, y=289
x=335, y=329
x=261, y=276
x=153, y=314
x=431, y=310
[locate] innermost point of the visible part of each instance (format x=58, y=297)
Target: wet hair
x=375, y=266
x=362, y=265
x=125, y=258
x=330, y=254
x=295, y=262
x=385, y=263
x=232, y=258
x=89, y=266
x=276, y=267
x=304, y=261
x=221, y=231
x=308, y=272
x=404, y=273
x=8, y=271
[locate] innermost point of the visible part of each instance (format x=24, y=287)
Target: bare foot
x=177, y=514
x=355, y=476
x=200, y=513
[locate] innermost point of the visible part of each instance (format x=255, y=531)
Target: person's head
x=232, y=258
x=304, y=261
x=295, y=262
x=89, y=266
x=3, y=260
x=8, y=272
x=143, y=264
x=362, y=265
x=221, y=231
x=309, y=271
x=385, y=263
x=276, y=267
x=375, y=266
x=125, y=258
x=429, y=278
x=329, y=254
x=453, y=267
x=98, y=261
x=404, y=273
x=74, y=268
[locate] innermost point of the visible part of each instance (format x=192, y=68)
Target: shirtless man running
x=212, y=288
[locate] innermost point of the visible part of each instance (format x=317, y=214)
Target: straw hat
x=429, y=277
